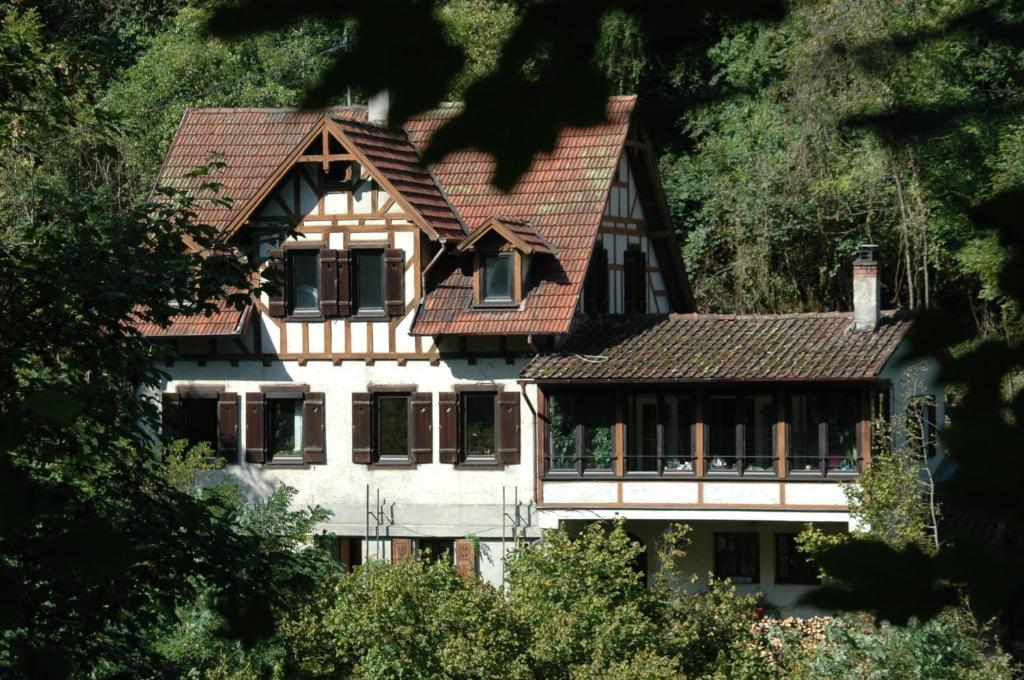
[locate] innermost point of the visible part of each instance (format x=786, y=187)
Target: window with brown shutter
x=421, y=417
x=227, y=426
x=508, y=428
x=314, y=429
x=448, y=427
x=465, y=558
x=362, y=427
x=344, y=260
x=171, y=416
x=255, y=435
x=275, y=264
x=329, y=283
x=478, y=435
x=635, y=282
x=401, y=548
x=394, y=282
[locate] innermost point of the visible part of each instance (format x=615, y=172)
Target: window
x=634, y=272
x=922, y=429
x=595, y=286
x=368, y=280
x=741, y=433
x=199, y=416
x=203, y=416
x=392, y=428
x=284, y=428
x=659, y=433
x=496, y=278
x=580, y=428
x=737, y=557
x=303, y=284
x=791, y=566
x=433, y=550
x=823, y=432
x=347, y=552
x=758, y=433
x=722, y=419
x=479, y=435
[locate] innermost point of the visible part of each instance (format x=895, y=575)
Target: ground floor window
x=738, y=556
x=199, y=416
x=791, y=565
x=347, y=552
x=478, y=427
x=432, y=550
x=392, y=427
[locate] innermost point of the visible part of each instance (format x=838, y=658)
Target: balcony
x=748, y=446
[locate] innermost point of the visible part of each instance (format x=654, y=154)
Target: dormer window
x=496, y=281
x=503, y=249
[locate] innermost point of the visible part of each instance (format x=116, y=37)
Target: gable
x=259, y=149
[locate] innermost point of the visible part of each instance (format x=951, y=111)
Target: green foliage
x=948, y=646
x=183, y=67
x=407, y=620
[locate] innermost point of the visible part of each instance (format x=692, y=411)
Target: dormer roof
x=520, y=234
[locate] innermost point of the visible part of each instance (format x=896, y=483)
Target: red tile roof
x=399, y=163
x=226, y=321
x=253, y=143
x=562, y=195
x=558, y=203
x=520, y=229
x=695, y=347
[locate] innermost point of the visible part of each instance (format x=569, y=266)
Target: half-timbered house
x=447, y=361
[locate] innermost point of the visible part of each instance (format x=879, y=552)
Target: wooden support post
x=782, y=438
x=698, y=439
x=620, y=435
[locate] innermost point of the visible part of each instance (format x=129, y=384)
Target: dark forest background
x=784, y=141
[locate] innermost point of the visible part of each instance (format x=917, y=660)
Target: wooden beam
x=326, y=160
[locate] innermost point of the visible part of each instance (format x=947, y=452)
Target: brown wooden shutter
x=314, y=428
x=344, y=260
x=422, y=419
x=400, y=548
x=255, y=436
x=601, y=284
x=277, y=294
x=171, y=416
x=465, y=558
x=394, y=281
x=329, y=282
x=227, y=426
x=508, y=427
x=448, y=427
x=362, y=427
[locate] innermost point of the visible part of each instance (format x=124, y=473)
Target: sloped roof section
x=520, y=232
x=562, y=196
x=225, y=322
x=695, y=348
x=251, y=143
x=398, y=161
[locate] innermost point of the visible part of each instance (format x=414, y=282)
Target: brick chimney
x=867, y=298
x=377, y=108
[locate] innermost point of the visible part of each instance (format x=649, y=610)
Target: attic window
x=496, y=283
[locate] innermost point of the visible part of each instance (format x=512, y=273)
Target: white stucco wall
x=438, y=500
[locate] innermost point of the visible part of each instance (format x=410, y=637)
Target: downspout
x=423, y=279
